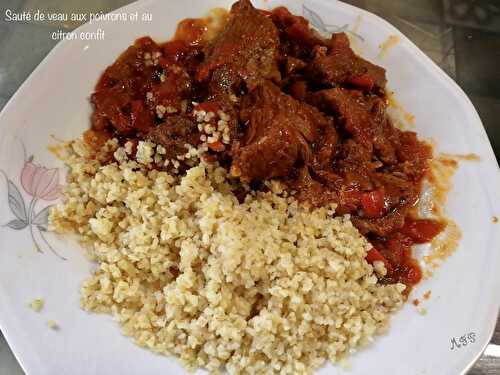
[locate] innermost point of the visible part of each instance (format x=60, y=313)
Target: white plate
x=54, y=100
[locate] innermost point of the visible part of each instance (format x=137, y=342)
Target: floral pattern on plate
x=326, y=29
x=41, y=184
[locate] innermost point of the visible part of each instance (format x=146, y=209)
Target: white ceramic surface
x=54, y=100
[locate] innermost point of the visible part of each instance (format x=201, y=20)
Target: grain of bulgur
x=37, y=304
x=52, y=324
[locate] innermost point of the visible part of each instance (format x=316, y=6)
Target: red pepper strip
x=364, y=81
x=373, y=204
x=216, y=146
x=421, y=231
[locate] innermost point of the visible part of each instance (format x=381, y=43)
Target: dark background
x=461, y=36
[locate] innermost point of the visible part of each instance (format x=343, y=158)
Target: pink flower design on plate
x=41, y=184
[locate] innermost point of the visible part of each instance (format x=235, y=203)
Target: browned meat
x=121, y=90
x=340, y=65
x=298, y=90
x=363, y=117
x=278, y=134
x=311, y=190
x=355, y=166
x=174, y=134
x=382, y=226
x=325, y=148
x=353, y=110
x=175, y=85
x=413, y=155
x=293, y=65
x=115, y=107
x=178, y=52
x=272, y=155
x=247, y=49
x=130, y=71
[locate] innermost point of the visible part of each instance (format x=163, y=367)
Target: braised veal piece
x=293, y=106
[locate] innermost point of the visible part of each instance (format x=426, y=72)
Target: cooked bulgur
x=52, y=324
x=37, y=304
x=264, y=286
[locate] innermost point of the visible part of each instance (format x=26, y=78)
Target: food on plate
x=52, y=324
x=37, y=305
x=188, y=270
x=248, y=200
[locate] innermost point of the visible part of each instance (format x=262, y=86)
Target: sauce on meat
x=304, y=109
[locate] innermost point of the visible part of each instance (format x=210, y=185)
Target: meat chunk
x=382, y=226
x=363, y=117
x=310, y=189
x=130, y=70
x=292, y=65
x=115, y=107
x=174, y=134
x=174, y=87
x=340, y=65
x=413, y=155
x=279, y=133
x=246, y=50
x=119, y=97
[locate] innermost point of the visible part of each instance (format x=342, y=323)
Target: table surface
x=461, y=36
